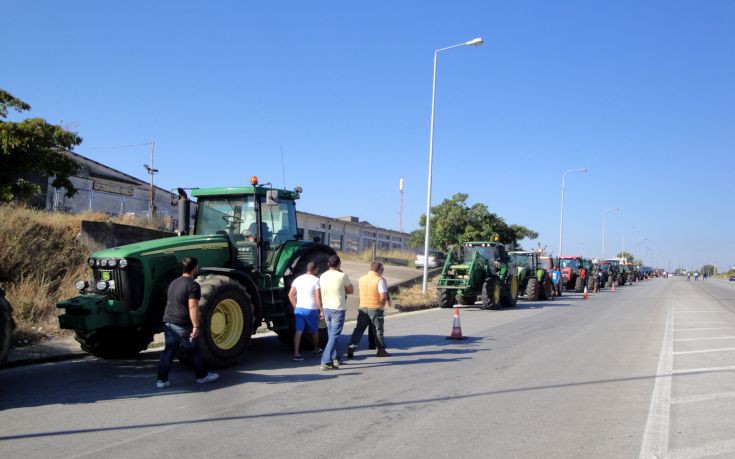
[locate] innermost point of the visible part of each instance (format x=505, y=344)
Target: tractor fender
x=247, y=282
x=306, y=251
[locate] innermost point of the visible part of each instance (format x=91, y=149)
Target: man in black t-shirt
x=181, y=325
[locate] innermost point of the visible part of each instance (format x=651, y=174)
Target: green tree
x=454, y=222
x=32, y=147
x=627, y=255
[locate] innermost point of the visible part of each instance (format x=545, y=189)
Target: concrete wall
x=103, y=235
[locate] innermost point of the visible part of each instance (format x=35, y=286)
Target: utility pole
x=152, y=172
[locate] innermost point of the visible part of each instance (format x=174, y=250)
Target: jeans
x=177, y=339
x=368, y=317
x=335, y=322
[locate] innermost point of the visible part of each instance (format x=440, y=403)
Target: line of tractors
x=488, y=272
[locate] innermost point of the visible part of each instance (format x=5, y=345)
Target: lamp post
x=561, y=212
x=474, y=42
x=604, y=214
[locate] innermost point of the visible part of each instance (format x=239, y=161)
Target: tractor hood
x=169, y=245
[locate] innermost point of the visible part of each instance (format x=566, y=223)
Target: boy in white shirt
x=305, y=297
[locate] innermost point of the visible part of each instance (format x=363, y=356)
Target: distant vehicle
x=436, y=259
x=732, y=278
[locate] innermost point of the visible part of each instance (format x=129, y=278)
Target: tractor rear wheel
x=510, y=298
x=115, y=343
x=547, y=292
x=446, y=298
x=491, y=293
x=7, y=325
x=579, y=285
x=533, y=289
x=227, y=319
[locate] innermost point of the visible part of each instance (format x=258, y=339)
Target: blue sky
x=640, y=93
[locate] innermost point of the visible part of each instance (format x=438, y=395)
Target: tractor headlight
x=102, y=285
x=111, y=263
x=81, y=285
x=102, y=263
x=123, y=263
x=91, y=262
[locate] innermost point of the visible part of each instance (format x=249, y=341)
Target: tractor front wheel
x=114, y=343
x=579, y=285
x=491, y=293
x=510, y=298
x=533, y=289
x=227, y=319
x=446, y=298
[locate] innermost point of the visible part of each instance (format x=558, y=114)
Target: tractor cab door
x=278, y=220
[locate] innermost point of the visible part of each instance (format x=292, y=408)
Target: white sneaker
x=211, y=377
x=161, y=384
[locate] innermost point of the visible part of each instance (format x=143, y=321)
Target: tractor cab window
x=487, y=252
x=521, y=260
x=279, y=221
x=233, y=216
x=572, y=263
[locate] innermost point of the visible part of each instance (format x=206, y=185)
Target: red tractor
x=574, y=272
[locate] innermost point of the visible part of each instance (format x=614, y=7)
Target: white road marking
x=703, y=370
x=703, y=328
x=703, y=398
x=705, y=339
x=656, y=434
x=704, y=351
x=717, y=448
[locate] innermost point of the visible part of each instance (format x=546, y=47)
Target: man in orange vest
x=373, y=298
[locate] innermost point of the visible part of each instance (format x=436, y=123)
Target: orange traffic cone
x=613, y=286
x=586, y=295
x=456, y=327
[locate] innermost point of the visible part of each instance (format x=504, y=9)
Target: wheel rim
x=496, y=293
x=227, y=324
x=514, y=287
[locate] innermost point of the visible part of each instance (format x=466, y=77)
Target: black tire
x=446, y=298
x=226, y=313
x=533, y=289
x=547, y=292
x=579, y=285
x=115, y=343
x=7, y=325
x=491, y=294
x=510, y=295
x=467, y=299
x=320, y=256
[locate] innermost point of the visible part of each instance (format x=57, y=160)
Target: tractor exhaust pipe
x=184, y=208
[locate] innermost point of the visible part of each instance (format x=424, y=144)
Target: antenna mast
x=400, y=212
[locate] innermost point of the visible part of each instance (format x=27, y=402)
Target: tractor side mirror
x=271, y=198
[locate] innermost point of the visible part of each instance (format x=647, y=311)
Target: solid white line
x=718, y=448
x=703, y=397
x=705, y=339
x=703, y=370
x=703, y=328
x=656, y=434
x=704, y=351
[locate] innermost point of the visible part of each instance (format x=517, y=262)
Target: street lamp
x=561, y=213
x=474, y=42
x=604, y=213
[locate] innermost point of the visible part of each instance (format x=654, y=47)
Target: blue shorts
x=306, y=319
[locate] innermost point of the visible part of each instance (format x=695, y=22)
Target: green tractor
x=478, y=269
x=615, y=273
x=249, y=250
x=533, y=279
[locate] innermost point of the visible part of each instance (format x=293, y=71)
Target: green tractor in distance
x=249, y=250
x=533, y=279
x=478, y=269
x=614, y=274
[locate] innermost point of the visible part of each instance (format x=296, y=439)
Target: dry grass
x=413, y=299
x=367, y=255
x=41, y=255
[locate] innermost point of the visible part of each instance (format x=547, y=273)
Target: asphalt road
x=646, y=371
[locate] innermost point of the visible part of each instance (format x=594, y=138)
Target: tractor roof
x=244, y=190
x=482, y=244
x=521, y=252
x=569, y=257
